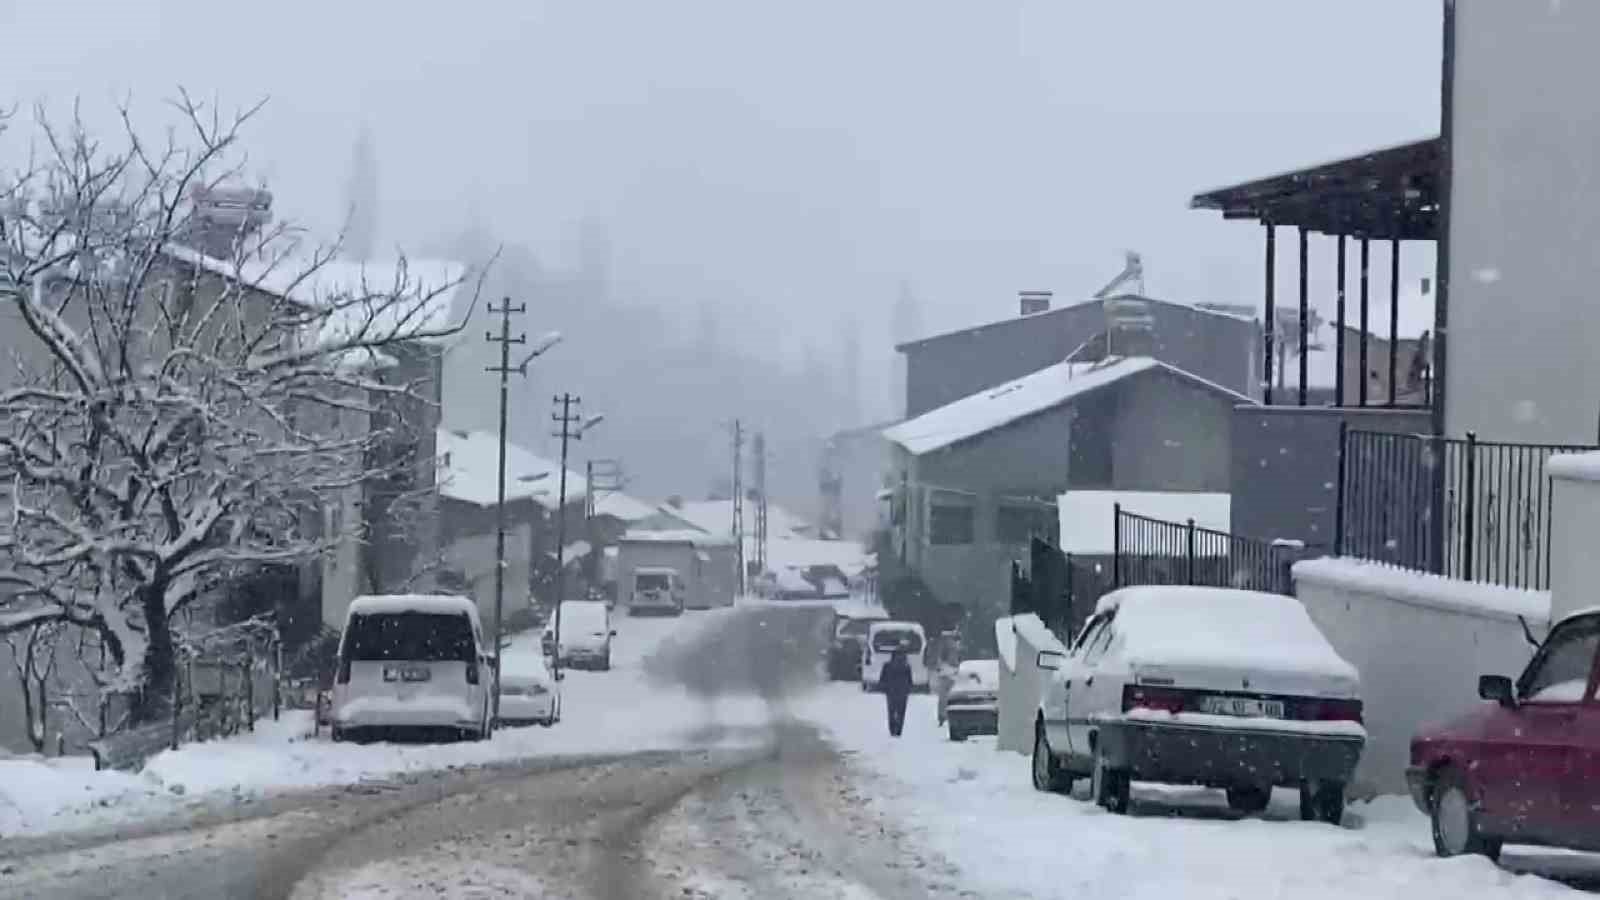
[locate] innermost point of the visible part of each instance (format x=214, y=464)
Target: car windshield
x=1563, y=668
x=410, y=636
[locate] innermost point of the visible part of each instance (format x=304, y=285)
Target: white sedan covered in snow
x=528, y=694
x=1224, y=688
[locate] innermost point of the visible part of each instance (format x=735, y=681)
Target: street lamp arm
x=549, y=340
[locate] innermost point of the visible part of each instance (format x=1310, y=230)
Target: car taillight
x=343, y=676
x=1143, y=696
x=1337, y=711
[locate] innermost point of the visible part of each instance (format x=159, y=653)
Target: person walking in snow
x=895, y=680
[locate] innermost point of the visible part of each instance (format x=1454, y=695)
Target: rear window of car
x=410, y=636
x=853, y=628
x=909, y=641
x=651, y=582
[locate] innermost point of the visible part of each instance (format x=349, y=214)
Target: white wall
x=1524, y=223
x=1574, y=523
x=1420, y=642
x=1021, y=680
x=474, y=557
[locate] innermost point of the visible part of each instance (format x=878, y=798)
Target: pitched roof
x=469, y=469
x=624, y=506
x=1034, y=393
x=716, y=517
x=1080, y=306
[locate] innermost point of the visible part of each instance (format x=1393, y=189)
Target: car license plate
x=406, y=673
x=1242, y=706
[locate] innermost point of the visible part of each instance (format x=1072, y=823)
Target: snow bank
x=620, y=711
x=1028, y=626
x=1200, y=626
x=977, y=809
x=1426, y=589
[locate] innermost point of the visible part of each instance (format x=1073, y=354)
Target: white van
x=586, y=634
x=658, y=588
x=412, y=662
x=882, y=640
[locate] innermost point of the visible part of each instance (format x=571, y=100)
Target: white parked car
x=528, y=694
x=973, y=704
x=1217, y=687
x=883, y=638
x=586, y=634
x=412, y=662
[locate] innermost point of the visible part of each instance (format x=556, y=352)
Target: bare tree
x=33, y=655
x=189, y=403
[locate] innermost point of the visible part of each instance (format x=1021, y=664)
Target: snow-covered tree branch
x=192, y=382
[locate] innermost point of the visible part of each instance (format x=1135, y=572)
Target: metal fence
x=1460, y=507
x=1156, y=551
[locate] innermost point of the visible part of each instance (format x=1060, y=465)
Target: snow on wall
x=1021, y=680
x=1420, y=642
x=1574, y=520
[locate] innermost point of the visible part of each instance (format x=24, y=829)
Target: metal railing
x=1459, y=507
x=1156, y=551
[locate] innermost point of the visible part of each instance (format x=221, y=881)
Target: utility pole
x=738, y=505
x=760, y=449
x=505, y=340
x=567, y=418
x=505, y=370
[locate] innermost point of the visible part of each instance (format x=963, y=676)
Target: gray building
x=1214, y=344
x=978, y=477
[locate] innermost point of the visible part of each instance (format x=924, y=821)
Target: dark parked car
x=1524, y=768
x=844, y=651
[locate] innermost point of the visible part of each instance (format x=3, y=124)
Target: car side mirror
x=1051, y=660
x=1497, y=688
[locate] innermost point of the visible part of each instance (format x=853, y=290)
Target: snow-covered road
x=976, y=807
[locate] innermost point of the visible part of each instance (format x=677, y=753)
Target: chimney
x=1035, y=301
x=224, y=216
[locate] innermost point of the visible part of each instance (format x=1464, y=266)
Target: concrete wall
x=1285, y=466
x=1170, y=434
x=1524, y=222
x=1574, y=522
x=1021, y=680
x=1420, y=642
x=1219, y=348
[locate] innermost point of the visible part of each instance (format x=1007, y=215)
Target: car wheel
x=1047, y=774
x=1454, y=814
x=957, y=734
x=1249, y=800
x=1109, y=788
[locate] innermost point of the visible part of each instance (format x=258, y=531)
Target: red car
x=1526, y=768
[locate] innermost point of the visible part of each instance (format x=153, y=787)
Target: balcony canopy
x=1382, y=195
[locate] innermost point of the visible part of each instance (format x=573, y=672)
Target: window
x=950, y=524
x=1097, y=646
x=888, y=641
x=410, y=636
x=1560, y=673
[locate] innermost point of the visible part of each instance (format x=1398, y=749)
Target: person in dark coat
x=896, y=683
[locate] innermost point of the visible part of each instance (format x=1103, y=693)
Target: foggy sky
x=786, y=164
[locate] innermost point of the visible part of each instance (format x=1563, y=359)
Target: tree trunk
x=160, y=658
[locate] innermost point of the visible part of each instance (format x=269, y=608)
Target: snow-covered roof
x=849, y=556
x=325, y=284
x=1034, y=393
x=469, y=468
x=625, y=507
x=444, y=604
x=1206, y=626
x=1088, y=518
x=983, y=673
x=675, y=536
x=716, y=517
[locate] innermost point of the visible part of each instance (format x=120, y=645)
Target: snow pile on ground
x=976, y=807
x=619, y=711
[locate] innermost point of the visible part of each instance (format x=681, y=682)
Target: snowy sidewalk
x=620, y=711
x=976, y=807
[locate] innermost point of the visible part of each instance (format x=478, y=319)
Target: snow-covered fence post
x=1469, y=512
x=1338, y=504
x=277, y=678
x=1188, y=553
x=1116, y=545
